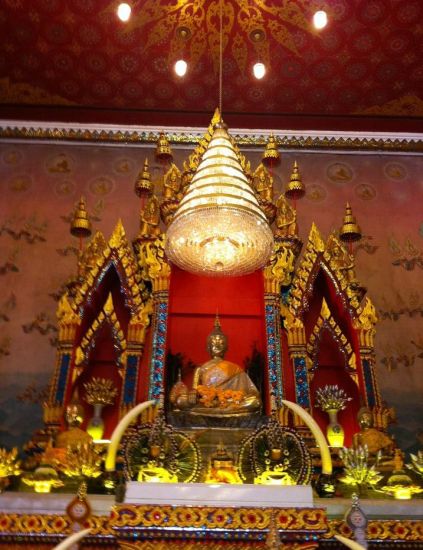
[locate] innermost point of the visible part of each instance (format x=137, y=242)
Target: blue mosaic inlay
x=274, y=359
x=368, y=381
x=157, y=364
x=63, y=376
x=130, y=380
x=301, y=382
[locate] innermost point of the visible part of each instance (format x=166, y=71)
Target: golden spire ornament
x=271, y=155
x=143, y=185
x=219, y=228
x=80, y=224
x=163, y=150
x=295, y=189
x=350, y=231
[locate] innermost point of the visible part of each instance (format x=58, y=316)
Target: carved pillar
x=68, y=322
x=156, y=268
x=365, y=326
x=276, y=273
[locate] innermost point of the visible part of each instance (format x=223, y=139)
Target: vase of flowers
x=332, y=399
x=99, y=392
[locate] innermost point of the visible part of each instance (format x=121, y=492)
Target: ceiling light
x=320, y=19
x=124, y=11
x=181, y=67
x=259, y=70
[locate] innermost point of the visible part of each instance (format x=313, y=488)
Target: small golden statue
x=286, y=219
x=375, y=440
x=222, y=468
x=223, y=387
x=74, y=416
x=150, y=219
x=263, y=183
x=172, y=183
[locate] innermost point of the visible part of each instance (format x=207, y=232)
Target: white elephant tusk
x=318, y=435
x=349, y=543
x=72, y=539
x=119, y=431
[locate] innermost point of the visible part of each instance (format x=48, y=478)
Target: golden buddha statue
x=263, y=183
x=172, y=183
x=374, y=439
x=222, y=468
x=74, y=416
x=223, y=387
x=286, y=219
x=150, y=218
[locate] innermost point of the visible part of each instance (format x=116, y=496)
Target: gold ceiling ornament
x=219, y=228
x=163, y=150
x=80, y=224
x=271, y=155
x=295, y=189
x=350, y=230
x=143, y=185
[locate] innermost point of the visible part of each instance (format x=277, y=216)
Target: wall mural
x=40, y=184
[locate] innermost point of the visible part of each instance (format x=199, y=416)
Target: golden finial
x=163, y=150
x=217, y=118
x=295, y=189
x=144, y=185
x=271, y=155
x=350, y=231
x=80, y=224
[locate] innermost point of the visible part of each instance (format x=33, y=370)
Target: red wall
x=194, y=301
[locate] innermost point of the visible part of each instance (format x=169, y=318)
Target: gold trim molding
x=132, y=135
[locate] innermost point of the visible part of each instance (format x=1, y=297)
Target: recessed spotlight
x=320, y=19
x=181, y=67
x=124, y=11
x=259, y=70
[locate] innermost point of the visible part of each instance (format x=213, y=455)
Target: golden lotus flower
x=100, y=391
x=82, y=460
x=9, y=465
x=356, y=467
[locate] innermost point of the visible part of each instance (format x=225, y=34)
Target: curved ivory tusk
x=119, y=431
x=318, y=435
x=349, y=543
x=72, y=539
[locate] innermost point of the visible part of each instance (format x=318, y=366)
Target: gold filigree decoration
x=67, y=318
x=407, y=105
x=154, y=263
x=107, y=315
x=279, y=270
x=342, y=265
x=313, y=252
x=24, y=93
x=257, y=140
x=365, y=323
x=160, y=20
x=118, y=253
x=326, y=321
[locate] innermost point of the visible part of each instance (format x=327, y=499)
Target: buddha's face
x=217, y=345
x=365, y=420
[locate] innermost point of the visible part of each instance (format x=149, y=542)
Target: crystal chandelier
x=219, y=228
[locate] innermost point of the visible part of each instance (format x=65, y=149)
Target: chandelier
x=219, y=228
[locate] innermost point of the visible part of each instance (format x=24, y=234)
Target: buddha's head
x=365, y=418
x=217, y=342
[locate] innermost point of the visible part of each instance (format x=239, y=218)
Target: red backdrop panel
x=193, y=303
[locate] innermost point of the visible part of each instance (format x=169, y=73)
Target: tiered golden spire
x=80, y=224
x=350, y=230
x=295, y=189
x=163, y=150
x=271, y=155
x=143, y=185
